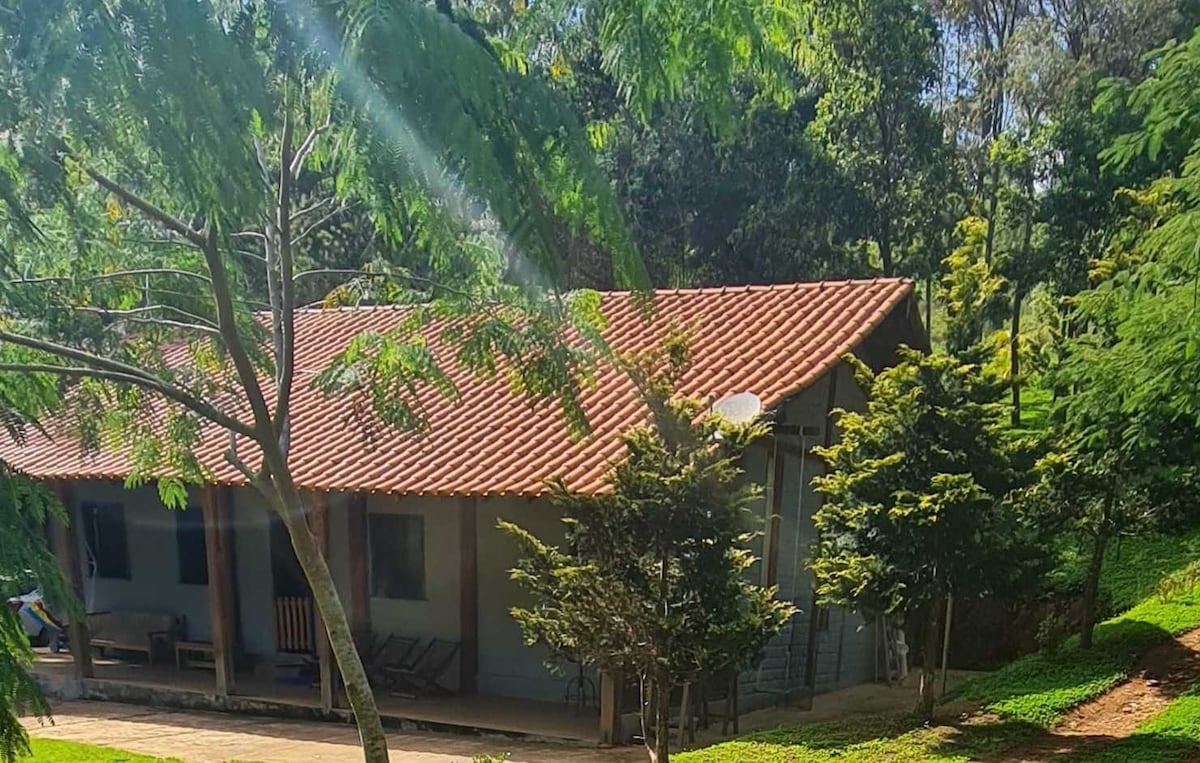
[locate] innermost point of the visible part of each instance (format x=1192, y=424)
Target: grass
x=1172, y=735
x=57, y=751
x=1039, y=687
x=1036, y=405
x=893, y=738
x=897, y=739
x=1030, y=693
x=1132, y=568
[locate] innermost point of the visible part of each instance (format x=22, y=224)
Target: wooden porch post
x=610, y=709
x=776, y=503
x=468, y=596
x=218, y=542
x=318, y=523
x=66, y=548
x=359, y=609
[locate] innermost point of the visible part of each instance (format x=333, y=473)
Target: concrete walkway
x=199, y=737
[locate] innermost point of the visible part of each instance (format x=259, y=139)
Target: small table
x=183, y=648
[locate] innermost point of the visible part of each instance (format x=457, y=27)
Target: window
x=189, y=540
x=397, y=555
x=107, y=546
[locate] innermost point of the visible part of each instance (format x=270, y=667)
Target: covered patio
x=164, y=685
x=217, y=672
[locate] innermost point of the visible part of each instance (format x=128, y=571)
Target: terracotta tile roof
x=770, y=340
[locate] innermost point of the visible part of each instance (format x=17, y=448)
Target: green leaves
x=671, y=50
x=915, y=498
x=651, y=577
x=26, y=509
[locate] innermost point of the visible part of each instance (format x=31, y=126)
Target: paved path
x=200, y=737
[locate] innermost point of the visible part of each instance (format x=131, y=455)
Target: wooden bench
x=132, y=631
x=184, y=648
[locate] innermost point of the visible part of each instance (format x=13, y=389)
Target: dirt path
x=199, y=737
x=1162, y=674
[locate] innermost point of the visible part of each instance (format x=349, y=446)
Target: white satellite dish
x=739, y=408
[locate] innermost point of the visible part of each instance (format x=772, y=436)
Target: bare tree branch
x=326, y=218
x=169, y=391
x=231, y=457
x=283, y=221
x=227, y=323
x=110, y=276
x=324, y=201
x=248, y=234
x=168, y=323
x=167, y=220
x=194, y=322
x=306, y=147
x=423, y=280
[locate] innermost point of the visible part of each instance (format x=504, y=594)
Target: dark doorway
x=285, y=567
x=295, y=625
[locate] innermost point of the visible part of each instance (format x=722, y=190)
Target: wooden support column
x=318, y=523
x=359, y=610
x=222, y=619
x=66, y=548
x=810, y=650
x=610, y=709
x=775, y=500
x=468, y=596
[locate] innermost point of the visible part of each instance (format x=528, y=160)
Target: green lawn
x=1132, y=568
x=897, y=739
x=1173, y=735
x=1028, y=694
x=55, y=751
x=1038, y=688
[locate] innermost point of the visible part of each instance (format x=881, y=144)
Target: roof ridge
x=675, y=291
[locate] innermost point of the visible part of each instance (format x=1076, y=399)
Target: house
x=409, y=521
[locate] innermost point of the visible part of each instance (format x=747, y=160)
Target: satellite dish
x=740, y=408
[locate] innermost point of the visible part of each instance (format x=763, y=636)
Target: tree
x=745, y=195
x=915, y=500
x=651, y=580
x=874, y=63
x=164, y=165
x=26, y=508
x=1129, y=425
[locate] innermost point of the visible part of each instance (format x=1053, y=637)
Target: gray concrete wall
x=154, y=565
x=253, y=577
x=506, y=665
x=437, y=615
x=844, y=650
x=153, y=584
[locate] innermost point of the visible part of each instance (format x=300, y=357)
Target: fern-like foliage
x=25, y=509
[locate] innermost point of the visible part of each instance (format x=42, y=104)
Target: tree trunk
x=885, y=256
x=929, y=652
x=662, y=716
x=341, y=640
x=993, y=206
x=1091, y=587
x=929, y=307
x=1014, y=365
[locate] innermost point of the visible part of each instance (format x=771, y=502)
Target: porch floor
x=135, y=681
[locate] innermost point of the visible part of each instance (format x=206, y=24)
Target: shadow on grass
x=1145, y=748
x=1036, y=689
x=835, y=734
